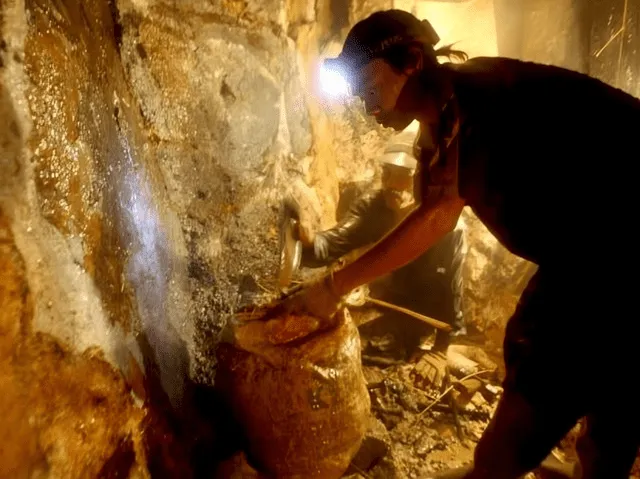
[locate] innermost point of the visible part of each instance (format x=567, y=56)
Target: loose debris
x=416, y=432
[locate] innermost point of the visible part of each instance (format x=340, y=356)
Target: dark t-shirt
x=543, y=149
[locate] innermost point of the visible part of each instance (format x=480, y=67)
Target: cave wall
x=66, y=313
x=613, y=34
x=234, y=120
x=542, y=31
x=145, y=146
x=597, y=37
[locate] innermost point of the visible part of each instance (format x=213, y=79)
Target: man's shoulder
x=502, y=74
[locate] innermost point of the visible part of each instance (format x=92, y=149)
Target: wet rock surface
x=54, y=425
x=145, y=147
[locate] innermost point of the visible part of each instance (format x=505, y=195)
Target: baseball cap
x=380, y=31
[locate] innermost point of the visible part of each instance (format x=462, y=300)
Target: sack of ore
x=298, y=392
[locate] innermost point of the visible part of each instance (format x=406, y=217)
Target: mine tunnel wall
x=599, y=37
x=144, y=148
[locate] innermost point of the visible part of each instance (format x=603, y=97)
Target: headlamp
x=334, y=79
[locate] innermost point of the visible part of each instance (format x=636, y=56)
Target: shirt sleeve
x=358, y=228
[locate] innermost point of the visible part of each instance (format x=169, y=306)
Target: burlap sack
x=304, y=404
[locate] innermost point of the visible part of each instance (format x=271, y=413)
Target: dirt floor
x=417, y=443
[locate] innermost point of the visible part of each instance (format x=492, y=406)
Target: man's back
x=540, y=144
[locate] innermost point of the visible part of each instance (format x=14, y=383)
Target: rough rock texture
x=346, y=141
x=54, y=425
x=101, y=267
x=144, y=149
x=614, y=30
x=594, y=37
x=212, y=97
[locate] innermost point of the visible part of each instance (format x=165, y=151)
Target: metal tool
x=290, y=245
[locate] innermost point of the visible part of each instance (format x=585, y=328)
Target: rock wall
x=63, y=414
x=89, y=252
x=493, y=280
x=144, y=149
x=594, y=37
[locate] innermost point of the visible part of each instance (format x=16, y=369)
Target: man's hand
x=316, y=298
x=430, y=371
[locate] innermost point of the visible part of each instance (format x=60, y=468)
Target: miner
x=544, y=157
x=430, y=285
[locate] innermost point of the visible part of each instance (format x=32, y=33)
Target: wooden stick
x=433, y=322
x=247, y=316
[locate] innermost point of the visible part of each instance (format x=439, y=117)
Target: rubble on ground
x=405, y=441
x=416, y=432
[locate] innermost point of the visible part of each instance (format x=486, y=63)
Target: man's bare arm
x=423, y=228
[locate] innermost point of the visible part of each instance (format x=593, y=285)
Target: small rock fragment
x=478, y=400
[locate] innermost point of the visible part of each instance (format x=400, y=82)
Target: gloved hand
x=431, y=371
x=316, y=298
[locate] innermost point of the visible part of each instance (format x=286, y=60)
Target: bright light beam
x=332, y=83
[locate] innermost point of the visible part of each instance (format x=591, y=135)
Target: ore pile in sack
x=296, y=387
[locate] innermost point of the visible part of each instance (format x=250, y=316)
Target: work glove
x=316, y=298
x=430, y=372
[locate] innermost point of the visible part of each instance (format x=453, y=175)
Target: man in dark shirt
x=430, y=285
x=545, y=158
